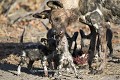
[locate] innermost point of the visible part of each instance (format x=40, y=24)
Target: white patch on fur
x=73, y=44
x=44, y=65
x=103, y=0
x=68, y=70
x=96, y=26
x=83, y=56
x=108, y=23
x=78, y=46
x=45, y=68
x=44, y=58
x=24, y=53
x=19, y=70
x=99, y=11
x=84, y=18
x=96, y=57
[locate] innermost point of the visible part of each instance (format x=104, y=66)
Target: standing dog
x=58, y=21
x=35, y=52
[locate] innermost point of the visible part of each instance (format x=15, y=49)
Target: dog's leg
x=22, y=62
x=53, y=64
x=19, y=68
x=97, y=53
x=58, y=73
x=83, y=36
x=74, y=44
x=44, y=63
x=109, y=36
x=30, y=65
x=109, y=44
x=91, y=52
x=103, y=46
x=61, y=65
x=73, y=66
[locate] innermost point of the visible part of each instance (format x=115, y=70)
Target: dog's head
x=53, y=5
x=59, y=17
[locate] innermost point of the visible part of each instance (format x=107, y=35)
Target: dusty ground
x=8, y=67
x=8, y=72
x=10, y=32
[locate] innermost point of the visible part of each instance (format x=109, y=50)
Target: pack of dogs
x=59, y=49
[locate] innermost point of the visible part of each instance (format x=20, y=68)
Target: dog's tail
x=21, y=38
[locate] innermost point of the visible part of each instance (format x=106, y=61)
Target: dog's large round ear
x=54, y=4
x=43, y=15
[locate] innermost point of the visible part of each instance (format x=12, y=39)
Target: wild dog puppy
x=35, y=52
x=63, y=50
x=51, y=43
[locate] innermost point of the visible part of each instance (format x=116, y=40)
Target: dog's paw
x=96, y=72
x=99, y=72
x=110, y=55
x=92, y=72
x=79, y=77
x=58, y=78
x=17, y=74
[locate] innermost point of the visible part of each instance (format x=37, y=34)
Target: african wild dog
x=51, y=43
x=36, y=51
x=33, y=52
x=109, y=36
x=92, y=14
x=59, y=24
x=63, y=50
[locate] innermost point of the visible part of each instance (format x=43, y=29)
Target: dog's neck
x=63, y=44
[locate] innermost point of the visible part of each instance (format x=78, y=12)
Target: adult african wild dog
x=92, y=15
x=109, y=36
x=95, y=13
x=59, y=25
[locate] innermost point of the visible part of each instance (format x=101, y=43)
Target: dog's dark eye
x=57, y=19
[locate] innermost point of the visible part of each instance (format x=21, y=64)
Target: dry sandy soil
x=8, y=70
